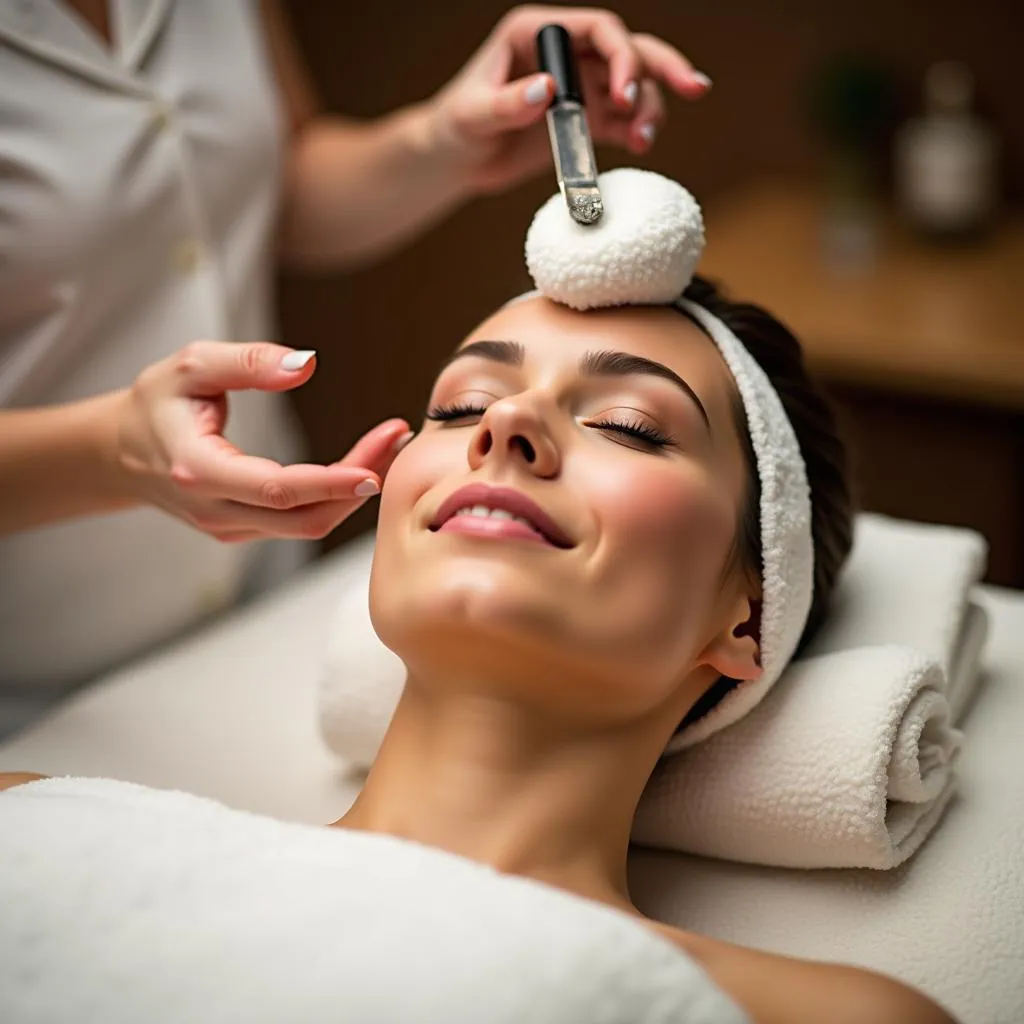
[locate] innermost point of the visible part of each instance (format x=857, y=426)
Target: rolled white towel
x=847, y=763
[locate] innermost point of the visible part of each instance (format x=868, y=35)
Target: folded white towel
x=879, y=601
x=126, y=904
x=847, y=763
x=907, y=584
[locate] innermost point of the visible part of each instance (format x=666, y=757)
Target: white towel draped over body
x=122, y=904
x=847, y=762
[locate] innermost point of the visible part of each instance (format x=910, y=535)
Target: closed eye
x=636, y=429
x=455, y=411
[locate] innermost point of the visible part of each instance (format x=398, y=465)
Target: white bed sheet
x=231, y=714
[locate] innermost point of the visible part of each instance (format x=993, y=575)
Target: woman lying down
x=625, y=510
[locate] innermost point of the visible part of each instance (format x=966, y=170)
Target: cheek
x=665, y=530
x=417, y=468
x=423, y=462
x=663, y=507
x=428, y=459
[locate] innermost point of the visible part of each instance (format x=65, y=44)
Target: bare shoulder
x=774, y=989
x=10, y=779
x=879, y=998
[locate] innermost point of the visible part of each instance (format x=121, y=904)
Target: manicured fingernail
x=297, y=360
x=647, y=133
x=629, y=93
x=402, y=442
x=701, y=79
x=537, y=91
x=367, y=488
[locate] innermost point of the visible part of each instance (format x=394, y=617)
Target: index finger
x=376, y=449
x=665, y=62
x=217, y=469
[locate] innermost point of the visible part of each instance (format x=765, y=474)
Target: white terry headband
x=644, y=251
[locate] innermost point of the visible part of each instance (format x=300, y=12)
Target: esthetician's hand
x=170, y=450
x=489, y=117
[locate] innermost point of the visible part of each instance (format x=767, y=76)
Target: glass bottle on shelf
x=945, y=160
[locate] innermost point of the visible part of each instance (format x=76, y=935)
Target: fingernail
x=367, y=488
x=297, y=360
x=647, y=133
x=402, y=442
x=701, y=79
x=629, y=93
x=537, y=91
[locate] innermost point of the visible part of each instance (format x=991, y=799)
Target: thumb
x=491, y=110
x=206, y=368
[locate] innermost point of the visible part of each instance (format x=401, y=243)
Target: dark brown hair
x=779, y=354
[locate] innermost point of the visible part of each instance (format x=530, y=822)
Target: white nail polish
x=647, y=133
x=537, y=91
x=630, y=93
x=297, y=360
x=367, y=488
x=701, y=79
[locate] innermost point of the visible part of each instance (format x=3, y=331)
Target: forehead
x=553, y=335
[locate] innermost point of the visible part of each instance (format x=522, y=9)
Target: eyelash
x=455, y=411
x=631, y=428
x=635, y=429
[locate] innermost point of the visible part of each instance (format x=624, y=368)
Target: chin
x=476, y=596
x=467, y=633
x=532, y=633
x=474, y=619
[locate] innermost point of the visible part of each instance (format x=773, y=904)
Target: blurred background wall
x=780, y=116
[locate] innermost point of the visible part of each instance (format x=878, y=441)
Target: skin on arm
x=386, y=163
x=59, y=462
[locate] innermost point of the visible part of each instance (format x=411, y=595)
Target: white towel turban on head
x=644, y=251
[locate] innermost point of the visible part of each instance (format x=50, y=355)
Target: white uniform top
x=138, y=194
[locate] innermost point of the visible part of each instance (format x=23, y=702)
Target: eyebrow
x=607, y=363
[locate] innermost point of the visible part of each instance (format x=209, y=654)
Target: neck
x=495, y=782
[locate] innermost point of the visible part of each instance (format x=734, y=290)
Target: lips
x=502, y=499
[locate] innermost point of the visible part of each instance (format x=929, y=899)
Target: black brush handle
x=555, y=56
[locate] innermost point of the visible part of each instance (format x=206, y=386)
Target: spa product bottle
x=946, y=159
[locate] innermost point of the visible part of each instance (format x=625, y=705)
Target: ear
x=735, y=652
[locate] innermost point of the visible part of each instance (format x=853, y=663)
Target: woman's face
x=611, y=436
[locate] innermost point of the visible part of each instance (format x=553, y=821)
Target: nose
x=513, y=430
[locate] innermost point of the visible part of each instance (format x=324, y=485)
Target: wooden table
x=923, y=349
